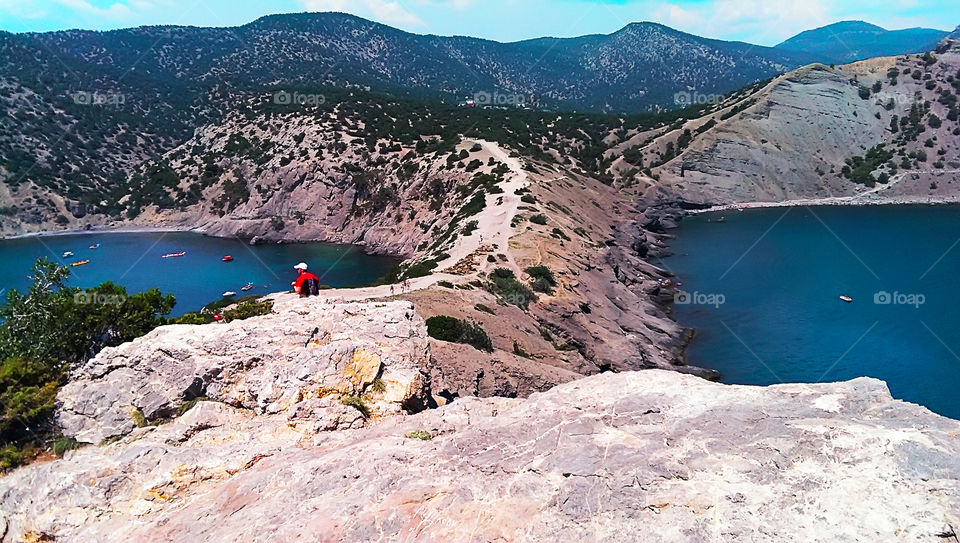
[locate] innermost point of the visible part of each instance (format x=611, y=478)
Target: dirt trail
x=493, y=223
x=493, y=228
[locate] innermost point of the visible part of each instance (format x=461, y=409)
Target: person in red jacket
x=307, y=284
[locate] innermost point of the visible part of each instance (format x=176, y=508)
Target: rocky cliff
x=809, y=135
x=653, y=455
x=297, y=359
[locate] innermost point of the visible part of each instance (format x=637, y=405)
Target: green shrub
x=11, y=457
x=445, y=284
x=193, y=318
x=504, y=284
x=420, y=269
x=454, y=330
x=49, y=328
x=528, y=199
x=484, y=309
x=539, y=218
x=61, y=446
x=519, y=351
x=558, y=233
x=136, y=414
x=543, y=279
x=357, y=403
x=248, y=309
x=491, y=258
x=470, y=228
x=422, y=435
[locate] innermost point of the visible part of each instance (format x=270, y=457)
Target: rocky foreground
x=275, y=454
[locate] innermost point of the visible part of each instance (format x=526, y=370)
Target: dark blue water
x=134, y=261
x=779, y=274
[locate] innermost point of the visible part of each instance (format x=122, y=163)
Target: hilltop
x=849, y=41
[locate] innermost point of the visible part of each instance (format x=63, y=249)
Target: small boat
x=174, y=255
x=847, y=299
x=229, y=294
x=95, y=246
x=227, y=258
x=248, y=287
x=80, y=263
x=67, y=254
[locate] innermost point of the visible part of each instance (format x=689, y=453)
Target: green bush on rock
x=543, y=279
x=47, y=329
x=504, y=284
x=454, y=330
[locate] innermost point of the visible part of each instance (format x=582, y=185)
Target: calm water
x=779, y=274
x=134, y=261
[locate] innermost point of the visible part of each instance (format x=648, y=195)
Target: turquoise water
x=134, y=261
x=774, y=277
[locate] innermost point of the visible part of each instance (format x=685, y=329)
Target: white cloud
x=118, y=10
x=765, y=21
x=21, y=10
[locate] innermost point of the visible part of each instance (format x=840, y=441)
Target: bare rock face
x=307, y=350
x=653, y=456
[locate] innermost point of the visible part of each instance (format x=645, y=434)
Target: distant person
x=307, y=284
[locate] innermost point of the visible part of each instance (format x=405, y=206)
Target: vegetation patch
x=504, y=284
x=358, y=404
x=61, y=446
x=484, y=309
x=860, y=169
x=454, y=330
x=248, y=309
x=46, y=330
x=543, y=277
x=422, y=435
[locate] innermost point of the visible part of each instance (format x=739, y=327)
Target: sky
x=763, y=22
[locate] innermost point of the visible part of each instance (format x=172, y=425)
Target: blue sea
x=762, y=290
x=135, y=261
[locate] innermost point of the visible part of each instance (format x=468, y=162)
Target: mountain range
x=637, y=68
x=849, y=41
x=88, y=111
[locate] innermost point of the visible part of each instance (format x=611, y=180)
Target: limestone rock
x=653, y=455
x=307, y=349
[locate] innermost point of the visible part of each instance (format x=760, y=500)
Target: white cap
x=301, y=266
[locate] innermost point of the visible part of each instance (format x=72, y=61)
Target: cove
x=762, y=287
x=135, y=261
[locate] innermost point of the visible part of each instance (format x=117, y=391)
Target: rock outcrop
x=652, y=456
x=792, y=139
x=306, y=351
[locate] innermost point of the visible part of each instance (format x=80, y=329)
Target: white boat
x=847, y=299
x=67, y=254
x=229, y=293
